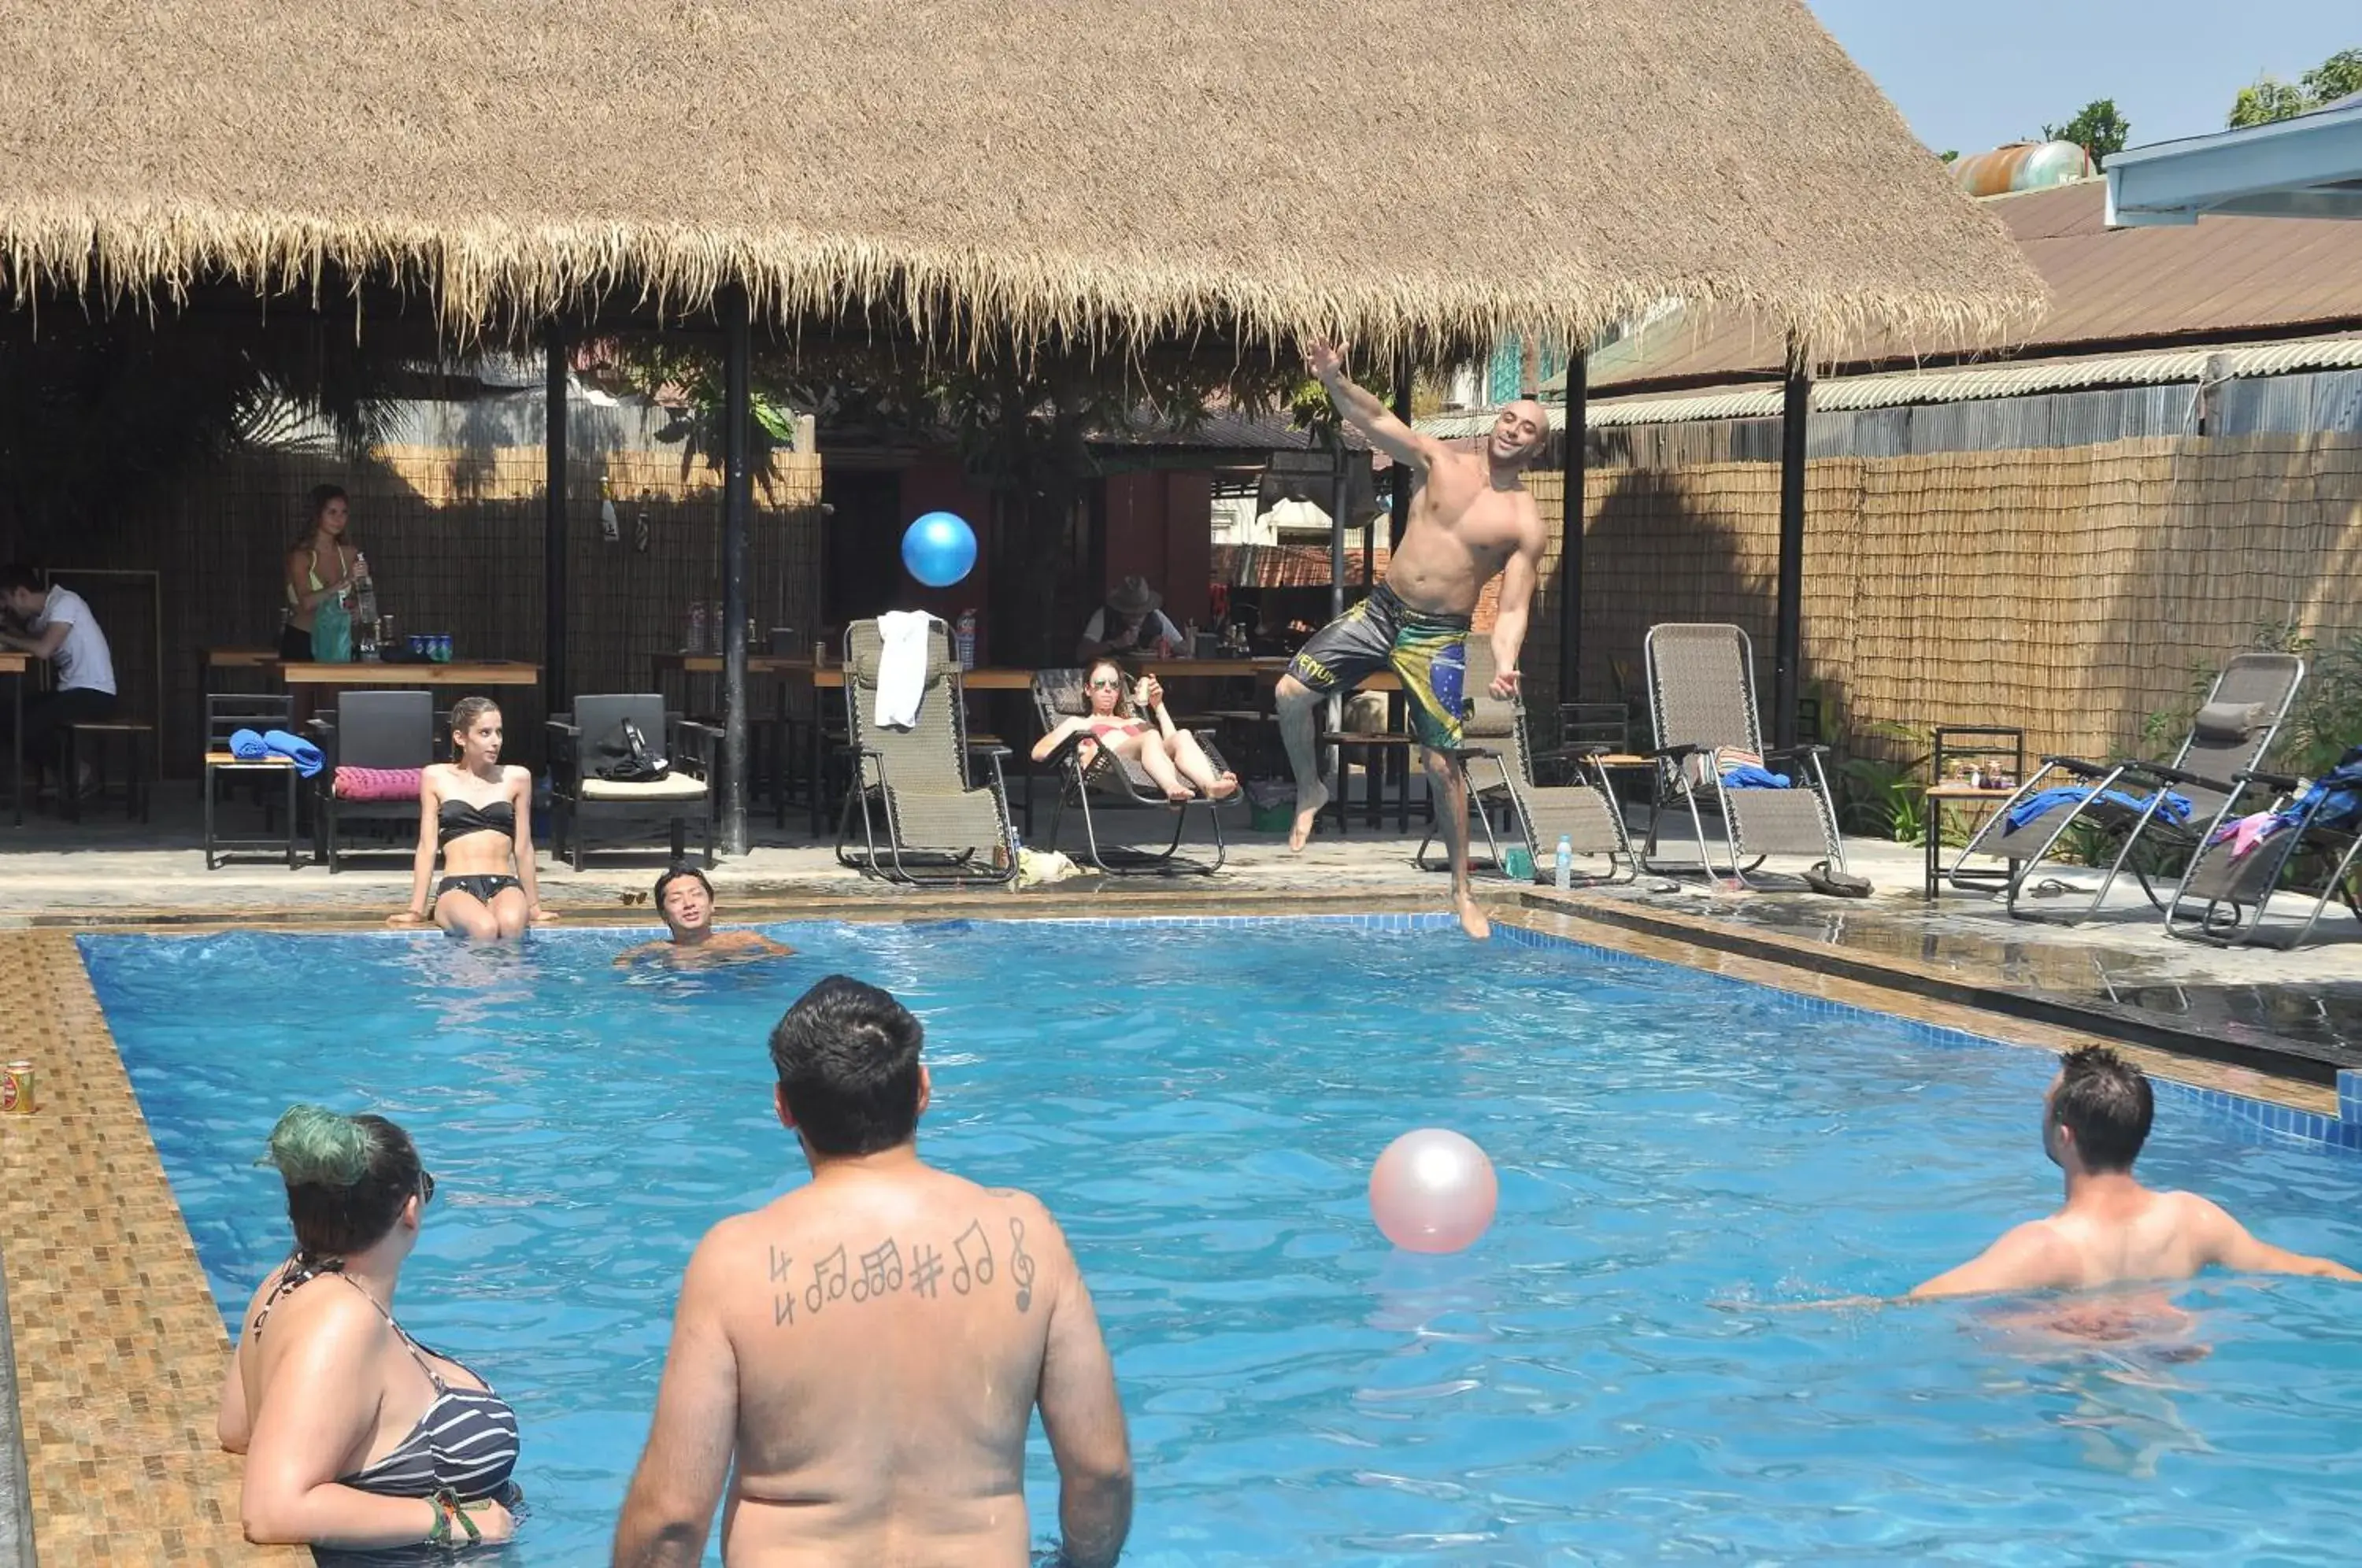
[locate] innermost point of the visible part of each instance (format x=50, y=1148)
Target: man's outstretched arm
x=1364, y=413
x=2232, y=1246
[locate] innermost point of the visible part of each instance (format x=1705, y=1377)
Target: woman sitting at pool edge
x=479, y=814
x=347, y=1423
x=1170, y=755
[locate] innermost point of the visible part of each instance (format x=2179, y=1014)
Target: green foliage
x=2269, y=99
x=1949, y=155
x=2324, y=722
x=2097, y=129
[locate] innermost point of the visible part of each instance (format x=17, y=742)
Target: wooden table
x=405, y=677
x=15, y=664
x=1938, y=796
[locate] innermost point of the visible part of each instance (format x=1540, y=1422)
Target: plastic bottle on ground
x=1563, y=876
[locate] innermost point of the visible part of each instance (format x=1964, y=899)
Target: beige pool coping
x=119, y=1348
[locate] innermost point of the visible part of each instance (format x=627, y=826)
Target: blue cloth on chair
x=307, y=757
x=1748, y=776
x=247, y=746
x=2173, y=809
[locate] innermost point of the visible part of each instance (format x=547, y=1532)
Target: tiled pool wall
x=2241, y=1114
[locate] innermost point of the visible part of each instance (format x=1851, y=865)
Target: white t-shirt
x=84, y=660
x=1151, y=626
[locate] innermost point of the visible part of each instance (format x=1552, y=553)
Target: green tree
x=2097, y=129
x=2269, y=99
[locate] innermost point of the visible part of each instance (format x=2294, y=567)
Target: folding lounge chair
x=921, y=822
x=1496, y=766
x=2313, y=841
x=1702, y=698
x=1121, y=783
x=2146, y=805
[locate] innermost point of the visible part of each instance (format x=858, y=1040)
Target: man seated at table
x=684, y=900
x=1130, y=625
x=56, y=625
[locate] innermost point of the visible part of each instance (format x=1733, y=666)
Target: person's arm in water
x=2225, y=1241
x=1363, y=411
x=669, y=1509
x=2027, y=1258
x=1082, y=1416
x=1518, y=575
x=422, y=863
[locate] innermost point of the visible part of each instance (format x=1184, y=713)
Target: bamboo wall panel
x=2067, y=591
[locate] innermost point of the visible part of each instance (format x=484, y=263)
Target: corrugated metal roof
x=2107, y=287
x=1969, y=384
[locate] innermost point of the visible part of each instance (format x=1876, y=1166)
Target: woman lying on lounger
x=1169, y=755
x=479, y=814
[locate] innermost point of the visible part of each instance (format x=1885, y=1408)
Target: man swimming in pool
x=1470, y=519
x=684, y=901
x=857, y=1363
x=2112, y=1230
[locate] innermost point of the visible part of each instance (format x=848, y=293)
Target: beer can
x=16, y=1089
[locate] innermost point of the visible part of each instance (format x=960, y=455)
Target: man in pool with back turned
x=2112, y=1230
x=858, y=1361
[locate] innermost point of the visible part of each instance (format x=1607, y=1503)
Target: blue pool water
x=1596, y=1381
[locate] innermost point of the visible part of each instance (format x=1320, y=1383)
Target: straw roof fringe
x=1106, y=172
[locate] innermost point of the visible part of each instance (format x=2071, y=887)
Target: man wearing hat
x=1128, y=624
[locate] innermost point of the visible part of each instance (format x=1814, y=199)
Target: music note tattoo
x=1021, y=1265
x=881, y=1271
x=828, y=1281
x=979, y=1269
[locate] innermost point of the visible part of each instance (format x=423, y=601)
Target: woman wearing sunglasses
x=356, y=1436
x=1170, y=755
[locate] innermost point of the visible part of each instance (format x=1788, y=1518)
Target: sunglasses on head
x=425, y=1187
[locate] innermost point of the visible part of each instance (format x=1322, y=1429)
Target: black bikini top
x=458, y=819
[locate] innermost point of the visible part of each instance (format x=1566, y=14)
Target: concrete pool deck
x=118, y=1347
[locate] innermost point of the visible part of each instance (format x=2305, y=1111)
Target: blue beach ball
x=939, y=548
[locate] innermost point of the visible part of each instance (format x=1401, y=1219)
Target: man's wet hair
x=2106, y=1102
x=673, y=874
x=847, y=1056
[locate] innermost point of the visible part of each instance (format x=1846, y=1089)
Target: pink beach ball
x=1433, y=1191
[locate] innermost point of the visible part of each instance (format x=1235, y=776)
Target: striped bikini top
x=465, y=1443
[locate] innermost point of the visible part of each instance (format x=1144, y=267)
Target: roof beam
x=2307, y=167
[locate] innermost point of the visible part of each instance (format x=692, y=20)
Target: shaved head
x=1520, y=433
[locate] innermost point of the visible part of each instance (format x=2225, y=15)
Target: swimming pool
x=1199, y=1105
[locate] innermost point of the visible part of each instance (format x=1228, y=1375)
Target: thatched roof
x=1113, y=170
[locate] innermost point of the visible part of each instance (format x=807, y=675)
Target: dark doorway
x=864, y=542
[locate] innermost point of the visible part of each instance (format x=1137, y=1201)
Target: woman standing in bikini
x=480, y=815
x=1169, y=755
x=320, y=566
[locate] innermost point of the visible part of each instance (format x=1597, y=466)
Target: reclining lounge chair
x=2143, y=809
x=921, y=822
x=1496, y=764
x=1111, y=781
x=2307, y=845
x=1710, y=746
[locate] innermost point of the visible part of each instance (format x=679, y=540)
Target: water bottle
x=964, y=638
x=696, y=643
x=364, y=587
x=1564, y=876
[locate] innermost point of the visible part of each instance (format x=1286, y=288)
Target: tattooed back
x=890, y=1329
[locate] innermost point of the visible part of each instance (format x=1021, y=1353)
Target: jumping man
x=1470, y=518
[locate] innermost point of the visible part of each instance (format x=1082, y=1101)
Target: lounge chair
x=588, y=743
x=922, y=822
x=2310, y=849
x=1112, y=781
x=1497, y=767
x=2142, y=808
x=1702, y=699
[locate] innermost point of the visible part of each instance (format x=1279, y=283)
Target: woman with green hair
x=356, y=1436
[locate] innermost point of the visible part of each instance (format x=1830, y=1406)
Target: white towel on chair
x=901, y=666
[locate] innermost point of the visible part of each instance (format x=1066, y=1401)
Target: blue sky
x=1974, y=75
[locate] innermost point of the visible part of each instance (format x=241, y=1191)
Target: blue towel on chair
x=1748, y=776
x=307, y=757
x=247, y=746
x=2175, y=808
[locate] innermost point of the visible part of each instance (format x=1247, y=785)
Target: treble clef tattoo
x=1021, y=1265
